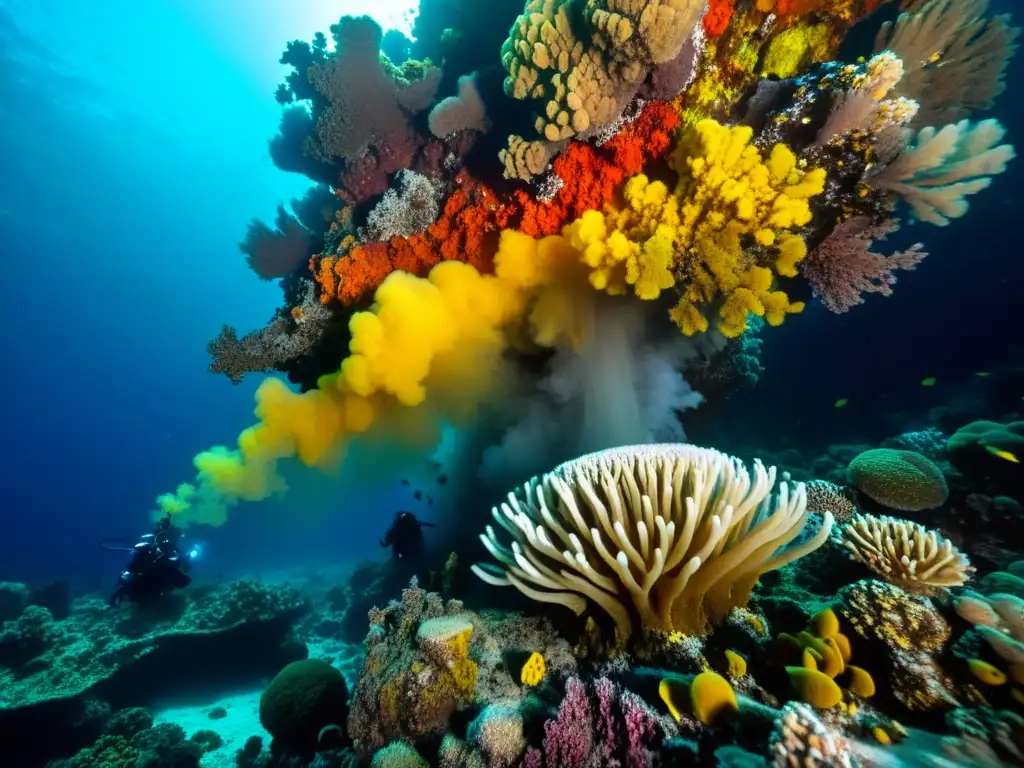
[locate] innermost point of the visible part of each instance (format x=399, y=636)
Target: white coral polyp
x=906, y=554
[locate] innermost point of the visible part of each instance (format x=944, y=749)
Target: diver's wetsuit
x=155, y=567
x=405, y=536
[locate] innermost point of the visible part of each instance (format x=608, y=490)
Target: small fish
x=982, y=374
x=418, y=495
x=928, y=381
x=429, y=500
x=1002, y=454
x=405, y=482
x=442, y=479
x=841, y=402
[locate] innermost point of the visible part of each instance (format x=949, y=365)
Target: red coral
x=465, y=231
x=468, y=227
x=590, y=175
x=795, y=7
x=718, y=16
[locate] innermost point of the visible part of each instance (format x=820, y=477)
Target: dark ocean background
x=133, y=153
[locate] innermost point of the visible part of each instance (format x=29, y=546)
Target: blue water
x=133, y=152
x=133, y=155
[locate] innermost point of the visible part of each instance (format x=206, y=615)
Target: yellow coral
x=459, y=643
x=861, y=682
x=617, y=262
x=825, y=623
x=673, y=693
x=728, y=222
x=986, y=672
x=533, y=670
x=463, y=673
x=843, y=644
x=881, y=736
x=791, y=50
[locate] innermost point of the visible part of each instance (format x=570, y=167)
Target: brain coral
x=304, y=698
x=903, y=480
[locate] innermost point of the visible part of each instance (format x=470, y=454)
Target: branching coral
x=668, y=536
x=267, y=349
x=582, y=61
x=955, y=58
x=406, y=209
x=823, y=496
x=843, y=267
x=604, y=725
x=865, y=106
x=937, y=174
x=905, y=553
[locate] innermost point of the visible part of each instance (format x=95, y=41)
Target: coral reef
x=53, y=673
x=512, y=218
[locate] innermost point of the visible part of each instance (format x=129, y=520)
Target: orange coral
x=590, y=175
x=718, y=16
x=466, y=231
x=353, y=275
x=846, y=10
x=795, y=7
x=468, y=227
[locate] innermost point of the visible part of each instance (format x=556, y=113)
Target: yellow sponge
x=533, y=670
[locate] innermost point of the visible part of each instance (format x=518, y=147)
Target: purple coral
x=368, y=101
x=569, y=737
x=605, y=726
x=843, y=267
x=642, y=727
x=274, y=253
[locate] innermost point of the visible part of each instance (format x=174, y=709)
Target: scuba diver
x=405, y=536
x=155, y=567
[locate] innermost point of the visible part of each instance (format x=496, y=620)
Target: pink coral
x=369, y=102
x=843, y=267
x=604, y=725
x=642, y=728
x=569, y=737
